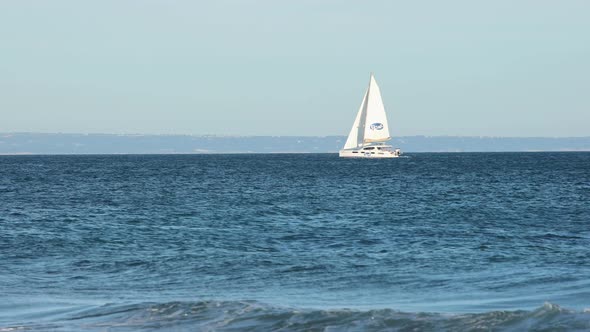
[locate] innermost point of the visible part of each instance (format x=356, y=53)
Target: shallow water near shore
x=449, y=241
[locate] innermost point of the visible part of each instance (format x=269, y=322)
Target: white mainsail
x=370, y=124
x=376, y=127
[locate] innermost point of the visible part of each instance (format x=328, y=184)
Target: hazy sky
x=494, y=68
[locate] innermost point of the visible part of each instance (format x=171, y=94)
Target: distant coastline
x=60, y=143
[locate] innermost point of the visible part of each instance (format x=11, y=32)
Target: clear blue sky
x=494, y=68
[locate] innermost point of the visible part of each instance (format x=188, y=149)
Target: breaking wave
x=256, y=316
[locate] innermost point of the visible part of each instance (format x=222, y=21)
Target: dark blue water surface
x=453, y=241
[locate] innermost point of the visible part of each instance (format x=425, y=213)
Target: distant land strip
x=59, y=143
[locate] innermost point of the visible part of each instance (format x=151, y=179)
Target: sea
x=295, y=242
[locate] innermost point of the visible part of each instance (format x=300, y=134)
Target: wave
x=256, y=316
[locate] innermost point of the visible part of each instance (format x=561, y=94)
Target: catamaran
x=370, y=130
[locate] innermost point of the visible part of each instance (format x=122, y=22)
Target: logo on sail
x=376, y=126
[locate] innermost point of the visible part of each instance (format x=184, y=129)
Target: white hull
x=358, y=153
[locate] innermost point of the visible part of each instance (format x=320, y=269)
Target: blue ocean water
x=295, y=242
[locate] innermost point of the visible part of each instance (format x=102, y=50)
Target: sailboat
x=370, y=130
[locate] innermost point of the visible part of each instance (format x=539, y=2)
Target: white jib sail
x=356, y=135
x=376, y=128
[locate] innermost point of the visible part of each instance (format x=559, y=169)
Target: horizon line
x=233, y=136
